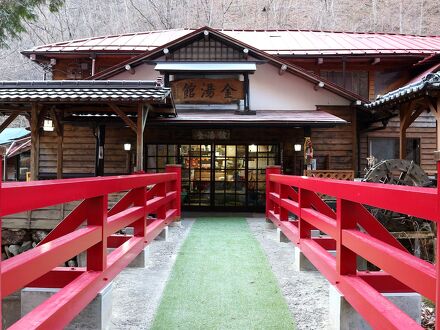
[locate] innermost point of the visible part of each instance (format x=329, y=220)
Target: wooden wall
x=423, y=127
x=335, y=148
x=79, y=147
x=78, y=152
x=115, y=157
x=81, y=68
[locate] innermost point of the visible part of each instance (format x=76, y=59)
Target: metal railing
x=400, y=271
x=151, y=203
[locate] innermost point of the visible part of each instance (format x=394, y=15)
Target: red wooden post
x=140, y=199
x=162, y=192
x=97, y=254
x=2, y=153
x=271, y=169
x=177, y=187
x=437, y=251
x=346, y=219
x=284, y=214
x=304, y=227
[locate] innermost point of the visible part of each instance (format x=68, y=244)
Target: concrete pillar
x=163, y=236
x=301, y=263
x=97, y=315
x=344, y=317
x=315, y=233
x=270, y=224
x=281, y=237
x=141, y=259
x=176, y=223
x=11, y=309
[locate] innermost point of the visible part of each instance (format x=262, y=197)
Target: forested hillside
x=84, y=18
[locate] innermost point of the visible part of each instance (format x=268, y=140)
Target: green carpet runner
x=222, y=280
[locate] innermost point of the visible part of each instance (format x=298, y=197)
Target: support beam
x=130, y=123
x=57, y=121
x=8, y=121
x=141, y=120
x=35, y=139
x=405, y=116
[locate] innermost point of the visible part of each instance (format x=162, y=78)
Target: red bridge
x=148, y=195
x=401, y=271
x=153, y=201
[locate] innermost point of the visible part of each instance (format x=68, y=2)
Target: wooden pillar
x=437, y=117
x=59, y=130
x=405, y=121
x=142, y=114
x=402, y=137
x=60, y=156
x=354, y=141
x=35, y=141
x=100, y=142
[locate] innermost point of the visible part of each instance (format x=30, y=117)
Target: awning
x=10, y=134
x=90, y=91
x=262, y=117
x=222, y=67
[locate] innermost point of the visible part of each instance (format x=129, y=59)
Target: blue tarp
x=13, y=133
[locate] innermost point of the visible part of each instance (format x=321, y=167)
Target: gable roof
x=275, y=42
x=274, y=60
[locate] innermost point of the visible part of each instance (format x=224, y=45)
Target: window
x=389, y=148
x=385, y=81
x=355, y=81
x=159, y=155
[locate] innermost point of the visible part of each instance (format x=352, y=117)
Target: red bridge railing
x=151, y=203
x=401, y=271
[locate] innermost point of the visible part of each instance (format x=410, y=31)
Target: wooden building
x=230, y=104
x=17, y=143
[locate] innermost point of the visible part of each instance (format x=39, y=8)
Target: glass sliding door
x=218, y=175
x=230, y=175
x=259, y=156
x=196, y=174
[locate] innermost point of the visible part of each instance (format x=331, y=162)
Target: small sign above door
x=211, y=134
x=204, y=91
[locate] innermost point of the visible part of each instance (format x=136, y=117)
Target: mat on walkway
x=222, y=280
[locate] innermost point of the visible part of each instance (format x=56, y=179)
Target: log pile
x=16, y=241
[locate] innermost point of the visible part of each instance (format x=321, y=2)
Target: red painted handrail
x=148, y=195
x=401, y=271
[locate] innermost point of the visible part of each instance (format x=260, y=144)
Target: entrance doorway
x=218, y=176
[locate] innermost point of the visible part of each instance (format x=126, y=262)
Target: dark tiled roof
x=82, y=91
x=429, y=82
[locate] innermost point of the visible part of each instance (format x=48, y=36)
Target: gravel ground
x=306, y=293
x=137, y=291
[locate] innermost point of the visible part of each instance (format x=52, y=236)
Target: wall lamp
x=319, y=85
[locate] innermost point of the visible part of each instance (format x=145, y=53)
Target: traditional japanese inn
x=221, y=164
x=225, y=104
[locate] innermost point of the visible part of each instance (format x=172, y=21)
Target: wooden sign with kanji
x=213, y=91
